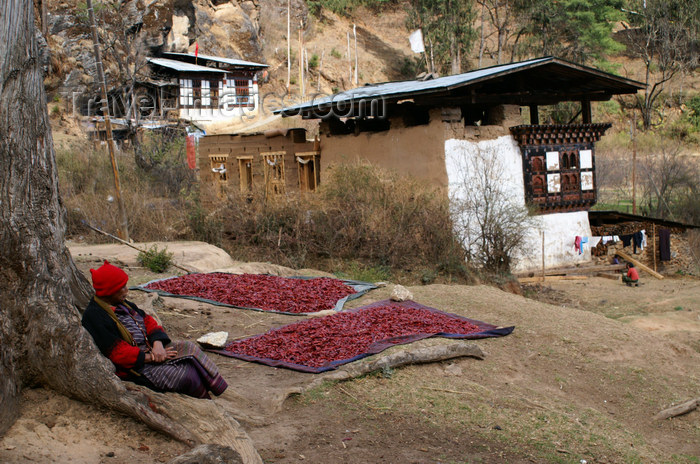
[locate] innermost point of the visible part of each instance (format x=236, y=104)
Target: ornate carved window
x=558, y=165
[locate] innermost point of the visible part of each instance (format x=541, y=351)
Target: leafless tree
x=41, y=339
x=491, y=221
x=664, y=34
x=668, y=178
x=500, y=15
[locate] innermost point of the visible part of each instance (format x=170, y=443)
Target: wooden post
x=543, y=256
x=123, y=230
x=349, y=58
x=354, y=32
x=534, y=115
x=634, y=167
x=301, y=59
x=586, y=111
x=653, y=243
x=289, y=45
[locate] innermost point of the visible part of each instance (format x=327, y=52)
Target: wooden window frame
x=312, y=157
x=274, y=173
x=245, y=173
x=217, y=161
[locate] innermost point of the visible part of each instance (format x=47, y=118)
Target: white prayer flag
x=416, y=39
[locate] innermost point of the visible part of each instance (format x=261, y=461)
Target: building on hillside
x=276, y=162
x=208, y=88
x=182, y=86
x=447, y=129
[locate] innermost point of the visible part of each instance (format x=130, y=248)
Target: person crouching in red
x=138, y=346
x=632, y=277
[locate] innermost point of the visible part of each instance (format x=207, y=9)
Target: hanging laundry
x=577, y=244
x=626, y=240
x=644, y=239
x=637, y=238
x=595, y=241
x=583, y=241
x=664, y=244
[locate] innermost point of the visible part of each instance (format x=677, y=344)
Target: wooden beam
x=576, y=270
x=609, y=276
x=641, y=266
x=528, y=280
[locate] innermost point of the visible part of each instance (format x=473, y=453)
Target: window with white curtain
x=186, y=92
x=206, y=94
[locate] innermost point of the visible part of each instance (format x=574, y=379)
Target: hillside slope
x=567, y=385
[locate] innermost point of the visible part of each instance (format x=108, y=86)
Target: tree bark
x=41, y=339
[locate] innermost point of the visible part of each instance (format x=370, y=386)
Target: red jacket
x=107, y=338
x=632, y=273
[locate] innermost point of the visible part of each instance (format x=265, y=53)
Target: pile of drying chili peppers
x=342, y=336
x=269, y=293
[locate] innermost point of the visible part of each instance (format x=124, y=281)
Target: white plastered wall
x=560, y=229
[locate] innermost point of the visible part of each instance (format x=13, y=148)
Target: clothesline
x=637, y=240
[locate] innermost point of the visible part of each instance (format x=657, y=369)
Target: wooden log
x=401, y=358
x=576, y=270
x=641, y=266
x=678, y=410
x=609, y=276
x=528, y=280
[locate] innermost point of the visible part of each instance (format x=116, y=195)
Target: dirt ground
x=588, y=365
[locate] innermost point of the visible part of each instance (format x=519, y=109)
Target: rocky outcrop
x=138, y=28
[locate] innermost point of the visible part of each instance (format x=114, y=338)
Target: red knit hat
x=108, y=279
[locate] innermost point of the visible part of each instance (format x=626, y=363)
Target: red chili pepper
x=269, y=293
x=320, y=341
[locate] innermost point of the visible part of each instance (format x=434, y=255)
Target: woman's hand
x=158, y=352
x=170, y=352
x=161, y=354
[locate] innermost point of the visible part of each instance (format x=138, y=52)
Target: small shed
x=277, y=161
x=444, y=129
x=668, y=246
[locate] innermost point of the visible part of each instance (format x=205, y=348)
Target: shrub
x=693, y=106
x=313, y=61
x=374, y=218
x=154, y=259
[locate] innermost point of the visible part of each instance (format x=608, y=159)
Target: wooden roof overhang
x=543, y=81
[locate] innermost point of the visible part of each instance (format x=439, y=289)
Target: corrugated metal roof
x=408, y=89
x=219, y=59
x=182, y=66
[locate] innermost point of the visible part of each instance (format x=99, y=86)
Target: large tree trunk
x=41, y=339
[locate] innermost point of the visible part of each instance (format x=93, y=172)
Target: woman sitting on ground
x=139, y=347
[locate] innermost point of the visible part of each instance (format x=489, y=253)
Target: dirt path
x=580, y=378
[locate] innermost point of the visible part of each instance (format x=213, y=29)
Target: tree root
x=678, y=410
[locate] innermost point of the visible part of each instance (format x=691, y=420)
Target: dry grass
x=370, y=217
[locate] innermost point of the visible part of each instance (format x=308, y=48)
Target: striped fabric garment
x=191, y=373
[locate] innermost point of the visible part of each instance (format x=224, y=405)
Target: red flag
x=191, y=152
x=196, y=51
